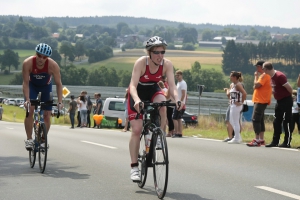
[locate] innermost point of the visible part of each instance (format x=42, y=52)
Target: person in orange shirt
x=261, y=98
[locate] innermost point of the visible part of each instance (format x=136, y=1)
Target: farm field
x=208, y=58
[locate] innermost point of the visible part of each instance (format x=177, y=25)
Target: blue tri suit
x=40, y=81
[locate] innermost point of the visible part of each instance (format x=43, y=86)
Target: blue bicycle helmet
x=43, y=49
x=155, y=42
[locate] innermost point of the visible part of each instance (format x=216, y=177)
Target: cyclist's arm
x=171, y=82
x=26, y=73
x=135, y=77
x=57, y=78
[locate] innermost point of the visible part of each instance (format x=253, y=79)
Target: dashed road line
x=101, y=145
x=283, y=193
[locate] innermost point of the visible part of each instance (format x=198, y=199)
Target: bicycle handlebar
x=39, y=103
x=155, y=105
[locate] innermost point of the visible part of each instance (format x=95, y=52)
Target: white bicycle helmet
x=154, y=42
x=43, y=49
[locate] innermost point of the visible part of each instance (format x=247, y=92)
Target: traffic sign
x=65, y=92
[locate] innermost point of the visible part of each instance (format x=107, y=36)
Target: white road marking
x=9, y=128
x=283, y=193
x=209, y=139
x=101, y=145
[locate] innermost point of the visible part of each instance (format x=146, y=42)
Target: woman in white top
x=295, y=113
x=83, y=110
x=237, y=97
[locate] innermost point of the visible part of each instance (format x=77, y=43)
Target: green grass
x=208, y=126
x=5, y=79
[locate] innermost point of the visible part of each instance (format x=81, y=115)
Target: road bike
x=40, y=139
x=153, y=151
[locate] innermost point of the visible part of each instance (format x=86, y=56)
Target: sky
x=281, y=13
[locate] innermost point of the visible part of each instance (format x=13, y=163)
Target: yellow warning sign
x=65, y=92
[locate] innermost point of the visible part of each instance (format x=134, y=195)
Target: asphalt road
x=95, y=164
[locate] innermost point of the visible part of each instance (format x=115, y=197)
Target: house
x=219, y=38
x=79, y=35
x=209, y=44
x=55, y=35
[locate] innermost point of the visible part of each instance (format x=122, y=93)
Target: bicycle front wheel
x=160, y=163
x=143, y=168
x=43, y=147
x=32, y=152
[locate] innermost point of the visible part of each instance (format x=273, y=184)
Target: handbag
x=245, y=107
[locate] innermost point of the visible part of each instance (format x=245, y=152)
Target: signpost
x=200, y=89
x=65, y=93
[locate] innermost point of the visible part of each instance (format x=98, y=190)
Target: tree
x=17, y=79
x=207, y=35
x=196, y=67
x=8, y=59
x=66, y=49
x=53, y=26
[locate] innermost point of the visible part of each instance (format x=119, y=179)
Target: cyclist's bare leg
x=134, y=142
x=47, y=115
x=176, y=130
x=28, y=123
x=162, y=110
x=179, y=126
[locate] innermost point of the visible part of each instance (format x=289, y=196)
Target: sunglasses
x=41, y=56
x=158, y=52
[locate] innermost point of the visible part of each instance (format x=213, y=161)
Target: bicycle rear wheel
x=143, y=169
x=32, y=152
x=43, y=149
x=160, y=163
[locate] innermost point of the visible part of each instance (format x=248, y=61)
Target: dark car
x=190, y=119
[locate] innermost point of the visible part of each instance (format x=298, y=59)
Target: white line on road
x=101, y=145
x=9, y=128
x=287, y=194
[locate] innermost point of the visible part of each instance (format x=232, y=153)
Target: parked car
x=190, y=119
x=10, y=102
x=114, y=108
x=55, y=111
x=19, y=101
x=1, y=99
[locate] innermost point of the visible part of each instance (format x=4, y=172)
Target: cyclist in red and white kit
x=147, y=72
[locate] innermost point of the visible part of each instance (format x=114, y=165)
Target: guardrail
x=210, y=102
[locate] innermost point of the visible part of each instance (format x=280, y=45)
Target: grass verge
x=208, y=126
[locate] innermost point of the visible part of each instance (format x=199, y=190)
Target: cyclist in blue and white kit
x=37, y=77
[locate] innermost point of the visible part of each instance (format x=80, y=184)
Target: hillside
x=112, y=21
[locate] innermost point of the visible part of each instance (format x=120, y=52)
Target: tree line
x=285, y=56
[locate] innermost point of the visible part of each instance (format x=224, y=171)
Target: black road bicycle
x=153, y=151
x=40, y=132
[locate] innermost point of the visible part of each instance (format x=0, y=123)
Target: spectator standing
x=83, y=110
x=237, y=97
x=126, y=127
x=72, y=110
x=78, y=115
x=1, y=112
x=295, y=113
x=230, y=131
x=177, y=114
x=97, y=107
x=261, y=98
x=282, y=92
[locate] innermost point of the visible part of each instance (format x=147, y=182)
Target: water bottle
x=148, y=141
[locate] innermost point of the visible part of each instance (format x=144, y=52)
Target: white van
x=114, y=108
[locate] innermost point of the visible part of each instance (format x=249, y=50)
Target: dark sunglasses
x=41, y=56
x=159, y=52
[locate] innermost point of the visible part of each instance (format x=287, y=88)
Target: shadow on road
x=19, y=166
x=173, y=195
